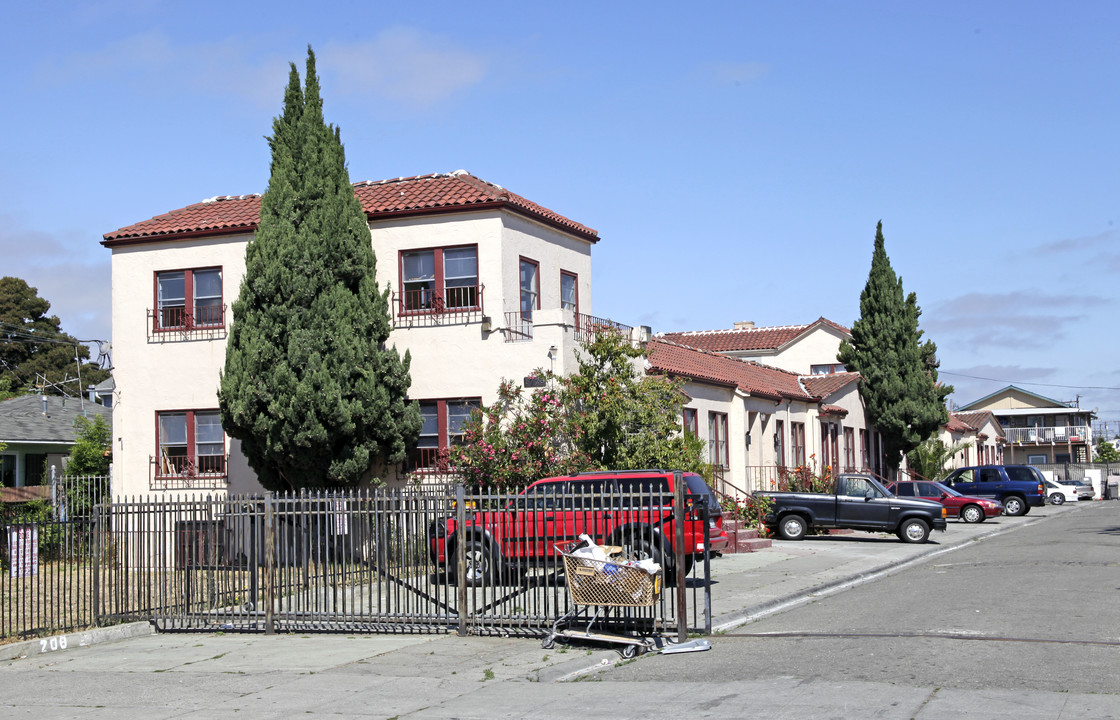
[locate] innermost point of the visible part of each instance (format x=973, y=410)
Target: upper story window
x=440, y=279
x=529, y=276
x=189, y=298
x=191, y=444
x=569, y=293
x=826, y=369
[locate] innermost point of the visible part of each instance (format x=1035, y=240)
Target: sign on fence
x=23, y=547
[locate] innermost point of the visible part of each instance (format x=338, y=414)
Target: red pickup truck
x=632, y=509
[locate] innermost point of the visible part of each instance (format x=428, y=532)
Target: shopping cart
x=602, y=584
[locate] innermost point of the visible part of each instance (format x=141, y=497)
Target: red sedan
x=964, y=507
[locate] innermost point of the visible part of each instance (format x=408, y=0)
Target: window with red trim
x=441, y=427
x=797, y=441
x=569, y=291
x=191, y=443
x=439, y=279
x=691, y=422
x=189, y=299
x=530, y=283
x=718, y=453
x=849, y=449
x=779, y=443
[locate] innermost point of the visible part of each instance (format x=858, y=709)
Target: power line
x=1017, y=382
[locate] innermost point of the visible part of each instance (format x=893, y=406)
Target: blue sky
x=734, y=156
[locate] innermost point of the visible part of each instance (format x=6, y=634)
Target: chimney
x=43, y=402
x=745, y=325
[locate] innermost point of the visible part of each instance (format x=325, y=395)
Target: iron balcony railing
x=201, y=472
x=204, y=322
x=587, y=326
x=1056, y=435
x=426, y=307
x=518, y=328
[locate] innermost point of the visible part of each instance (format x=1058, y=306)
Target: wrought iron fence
x=360, y=561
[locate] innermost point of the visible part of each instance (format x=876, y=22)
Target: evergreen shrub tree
x=898, y=371
x=309, y=387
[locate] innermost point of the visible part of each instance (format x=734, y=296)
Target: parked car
x=1018, y=487
x=963, y=507
x=858, y=502
x=1084, y=490
x=1058, y=493
x=632, y=509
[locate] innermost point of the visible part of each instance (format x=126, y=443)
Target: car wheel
x=793, y=527
x=1014, y=506
x=972, y=514
x=481, y=565
x=913, y=531
x=1057, y=498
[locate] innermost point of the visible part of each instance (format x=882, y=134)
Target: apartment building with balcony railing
x=1038, y=429
x=484, y=285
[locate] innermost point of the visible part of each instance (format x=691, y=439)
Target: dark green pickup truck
x=858, y=503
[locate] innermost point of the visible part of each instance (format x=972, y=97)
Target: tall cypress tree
x=309, y=387
x=898, y=371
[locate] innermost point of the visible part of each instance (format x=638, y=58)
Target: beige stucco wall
x=817, y=347
x=448, y=361
x=164, y=373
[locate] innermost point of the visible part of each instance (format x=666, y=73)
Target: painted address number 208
x=50, y=644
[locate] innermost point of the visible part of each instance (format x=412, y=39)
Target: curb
x=72, y=641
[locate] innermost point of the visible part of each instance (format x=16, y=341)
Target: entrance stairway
x=743, y=540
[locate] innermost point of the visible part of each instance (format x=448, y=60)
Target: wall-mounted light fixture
x=486, y=323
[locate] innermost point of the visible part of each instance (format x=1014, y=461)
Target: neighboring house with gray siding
x=38, y=432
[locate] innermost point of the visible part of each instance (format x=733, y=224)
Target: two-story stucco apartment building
x=768, y=398
x=484, y=284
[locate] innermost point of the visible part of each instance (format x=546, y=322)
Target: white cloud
x=400, y=64
x=404, y=65
x=76, y=283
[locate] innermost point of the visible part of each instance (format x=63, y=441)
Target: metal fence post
x=461, y=556
x=97, y=551
x=707, y=517
x=269, y=561
x=678, y=547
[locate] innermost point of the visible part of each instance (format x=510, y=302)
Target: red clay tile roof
x=957, y=425
x=821, y=386
x=746, y=339
x=754, y=378
x=975, y=419
x=832, y=410
x=426, y=194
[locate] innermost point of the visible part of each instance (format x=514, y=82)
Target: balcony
x=428, y=308
x=1057, y=435
x=587, y=326
x=518, y=328
x=200, y=472
x=177, y=323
